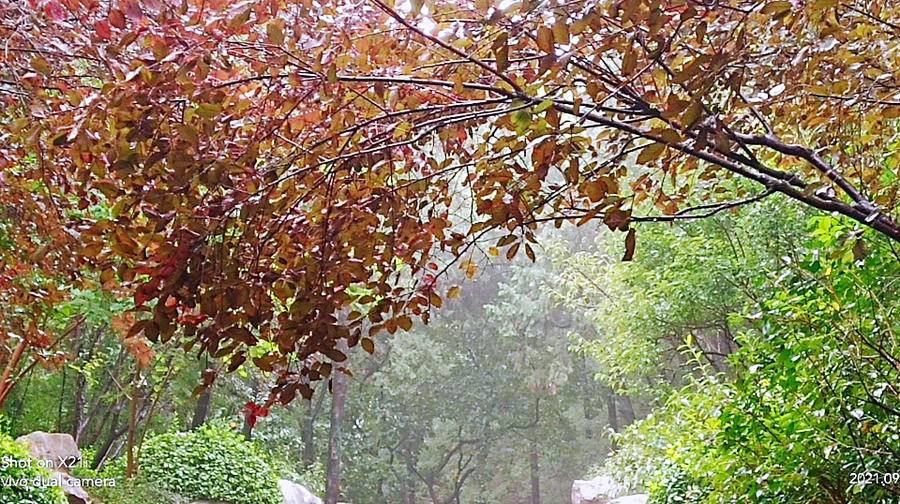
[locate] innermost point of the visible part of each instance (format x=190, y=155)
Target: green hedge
x=11, y=493
x=212, y=463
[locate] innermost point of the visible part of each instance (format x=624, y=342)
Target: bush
x=134, y=491
x=11, y=493
x=675, y=486
x=212, y=462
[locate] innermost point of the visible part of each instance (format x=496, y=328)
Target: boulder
x=59, y=453
x=56, y=449
x=631, y=499
x=74, y=493
x=296, y=494
x=600, y=490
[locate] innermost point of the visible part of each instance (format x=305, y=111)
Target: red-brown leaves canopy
x=284, y=170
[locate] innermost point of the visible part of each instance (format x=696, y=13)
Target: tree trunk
x=130, y=465
x=627, y=411
x=588, y=394
x=201, y=409
x=535, y=467
x=535, y=474
x=97, y=406
x=79, y=400
x=313, y=406
x=338, y=398
x=111, y=438
x=612, y=410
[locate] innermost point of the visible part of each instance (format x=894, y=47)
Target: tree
x=480, y=406
x=260, y=158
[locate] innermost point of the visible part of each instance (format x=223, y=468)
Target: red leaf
x=253, y=411
x=103, y=30
x=140, y=298
x=54, y=10
x=133, y=10
x=117, y=19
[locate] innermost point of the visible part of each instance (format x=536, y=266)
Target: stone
x=599, y=490
x=74, y=493
x=631, y=499
x=59, y=452
x=57, y=449
x=296, y=494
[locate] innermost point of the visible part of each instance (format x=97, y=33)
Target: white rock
x=599, y=490
x=296, y=494
x=60, y=452
x=631, y=499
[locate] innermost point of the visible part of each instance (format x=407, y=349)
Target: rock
x=296, y=494
x=600, y=490
x=631, y=499
x=59, y=452
x=74, y=493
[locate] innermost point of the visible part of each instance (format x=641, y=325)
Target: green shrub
x=212, y=462
x=134, y=491
x=12, y=493
x=675, y=486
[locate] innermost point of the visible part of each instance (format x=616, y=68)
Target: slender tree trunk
x=338, y=398
x=201, y=409
x=79, y=397
x=78, y=402
x=535, y=461
x=111, y=438
x=627, y=410
x=612, y=410
x=406, y=496
x=96, y=405
x=62, y=398
x=535, y=474
x=313, y=407
x=130, y=466
x=588, y=394
x=6, y=383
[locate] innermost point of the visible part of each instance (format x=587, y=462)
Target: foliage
x=811, y=400
x=17, y=494
x=676, y=487
x=683, y=291
x=461, y=405
x=257, y=161
x=212, y=463
x=134, y=491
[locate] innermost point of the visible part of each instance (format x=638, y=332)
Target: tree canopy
x=284, y=174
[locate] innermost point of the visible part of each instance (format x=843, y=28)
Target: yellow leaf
x=561, y=31
x=545, y=39
x=41, y=65
x=493, y=251
x=454, y=292
x=469, y=267
x=777, y=9
x=275, y=31
x=650, y=152
x=691, y=115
